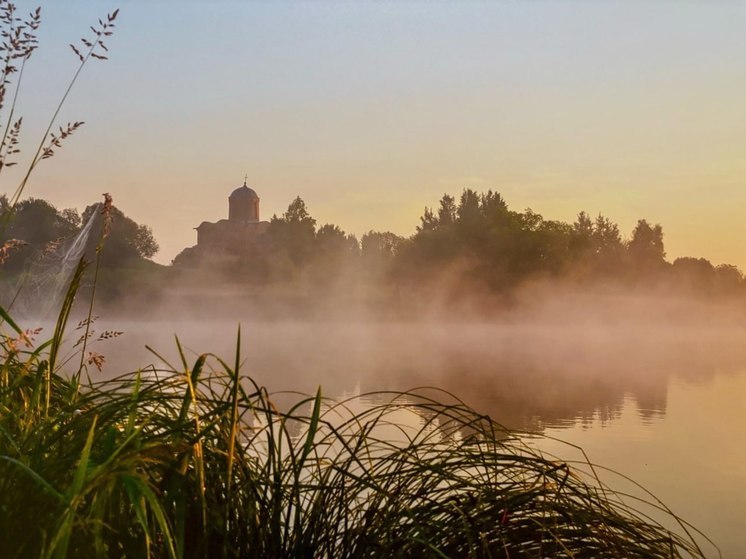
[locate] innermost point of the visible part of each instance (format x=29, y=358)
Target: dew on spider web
x=49, y=275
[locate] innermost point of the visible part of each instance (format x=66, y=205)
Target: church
x=241, y=234
x=242, y=231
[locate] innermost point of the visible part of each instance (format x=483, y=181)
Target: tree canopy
x=37, y=223
x=481, y=238
x=477, y=234
x=42, y=228
x=127, y=241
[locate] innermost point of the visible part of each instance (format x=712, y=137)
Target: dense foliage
x=37, y=223
x=43, y=228
x=480, y=239
x=476, y=238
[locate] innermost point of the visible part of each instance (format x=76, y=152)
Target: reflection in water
x=524, y=376
x=692, y=459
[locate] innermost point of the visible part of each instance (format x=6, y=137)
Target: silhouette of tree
x=428, y=222
x=728, y=279
x=493, y=208
x=595, y=247
x=447, y=211
x=645, y=248
x=36, y=222
x=468, y=211
x=606, y=237
x=695, y=274
x=332, y=242
x=294, y=233
x=127, y=241
x=380, y=246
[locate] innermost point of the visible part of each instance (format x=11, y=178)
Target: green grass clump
x=197, y=462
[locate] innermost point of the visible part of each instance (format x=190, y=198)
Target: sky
x=370, y=111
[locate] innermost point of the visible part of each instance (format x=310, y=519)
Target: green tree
x=694, y=274
x=126, y=243
x=447, y=211
x=380, y=247
x=428, y=221
x=728, y=279
x=595, y=246
x=581, y=243
x=583, y=226
x=607, y=240
x=294, y=234
x=38, y=223
x=493, y=208
x=645, y=248
x=469, y=212
x=333, y=242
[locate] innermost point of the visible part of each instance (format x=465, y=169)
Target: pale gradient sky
x=370, y=111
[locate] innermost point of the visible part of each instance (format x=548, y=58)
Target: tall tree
x=428, y=221
x=447, y=211
x=645, y=248
x=493, y=207
x=294, y=233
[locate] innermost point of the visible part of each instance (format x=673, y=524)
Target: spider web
x=47, y=279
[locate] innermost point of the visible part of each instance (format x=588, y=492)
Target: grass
x=194, y=460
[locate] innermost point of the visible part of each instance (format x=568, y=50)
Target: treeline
x=478, y=239
x=473, y=241
x=500, y=247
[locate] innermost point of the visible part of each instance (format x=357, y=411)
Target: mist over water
x=550, y=357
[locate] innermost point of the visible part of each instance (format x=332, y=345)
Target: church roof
x=243, y=192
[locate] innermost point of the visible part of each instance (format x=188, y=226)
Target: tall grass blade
x=5, y=317
x=139, y=490
x=61, y=540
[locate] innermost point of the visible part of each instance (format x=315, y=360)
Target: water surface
x=663, y=405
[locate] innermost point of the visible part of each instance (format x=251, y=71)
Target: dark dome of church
x=243, y=192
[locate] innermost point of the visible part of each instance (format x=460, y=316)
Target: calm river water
x=663, y=404
x=690, y=455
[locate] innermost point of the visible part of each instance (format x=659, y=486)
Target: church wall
x=243, y=209
x=241, y=233
x=231, y=236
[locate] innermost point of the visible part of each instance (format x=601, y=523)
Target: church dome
x=243, y=192
x=243, y=205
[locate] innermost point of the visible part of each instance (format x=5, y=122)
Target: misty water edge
x=653, y=390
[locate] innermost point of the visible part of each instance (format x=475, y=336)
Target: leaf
x=61, y=540
x=139, y=492
x=313, y=426
x=5, y=316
